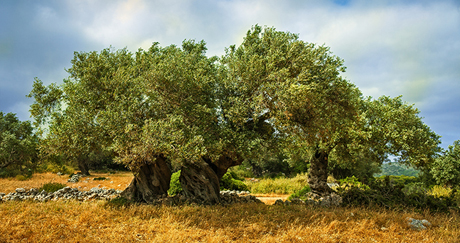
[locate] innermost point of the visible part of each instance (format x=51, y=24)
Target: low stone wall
x=64, y=193
x=68, y=193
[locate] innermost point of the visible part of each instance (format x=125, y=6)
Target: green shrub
x=392, y=195
x=414, y=188
x=52, y=187
x=402, y=179
x=174, y=185
x=440, y=191
x=301, y=194
x=242, y=171
x=100, y=178
x=231, y=181
x=22, y=178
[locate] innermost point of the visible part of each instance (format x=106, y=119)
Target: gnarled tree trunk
x=200, y=180
x=317, y=175
x=150, y=182
x=83, y=167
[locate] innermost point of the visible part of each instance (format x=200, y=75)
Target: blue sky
x=408, y=48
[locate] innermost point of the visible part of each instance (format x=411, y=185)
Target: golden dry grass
x=96, y=221
x=71, y=221
x=120, y=181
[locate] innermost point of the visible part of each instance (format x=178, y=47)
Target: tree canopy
x=175, y=107
x=18, y=143
x=446, y=168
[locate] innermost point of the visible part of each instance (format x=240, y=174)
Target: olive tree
x=70, y=111
x=296, y=87
x=446, y=168
x=18, y=143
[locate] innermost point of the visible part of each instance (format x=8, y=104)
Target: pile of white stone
x=417, y=224
x=65, y=193
x=327, y=201
x=231, y=197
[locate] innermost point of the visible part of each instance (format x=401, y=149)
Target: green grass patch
x=281, y=185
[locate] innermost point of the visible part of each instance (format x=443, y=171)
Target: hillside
x=396, y=169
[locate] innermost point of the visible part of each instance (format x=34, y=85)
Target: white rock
x=20, y=190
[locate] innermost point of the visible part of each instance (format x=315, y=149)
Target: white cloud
x=390, y=47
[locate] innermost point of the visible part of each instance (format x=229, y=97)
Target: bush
x=414, y=188
x=21, y=178
x=174, y=186
x=52, y=187
x=230, y=181
x=440, y=191
x=301, y=194
x=242, y=171
x=349, y=182
x=393, y=195
x=100, y=179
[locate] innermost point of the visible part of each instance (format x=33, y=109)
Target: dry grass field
x=97, y=221
x=119, y=181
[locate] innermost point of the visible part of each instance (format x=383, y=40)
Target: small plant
x=21, y=178
x=100, y=178
x=52, y=187
x=174, y=186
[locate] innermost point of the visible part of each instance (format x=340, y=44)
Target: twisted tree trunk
x=83, y=167
x=151, y=181
x=200, y=183
x=317, y=175
x=200, y=180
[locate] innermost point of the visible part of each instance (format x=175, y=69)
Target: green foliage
x=301, y=194
x=18, y=146
x=400, y=180
x=274, y=100
x=231, y=181
x=446, y=168
x=55, y=164
x=174, y=185
x=242, y=171
x=351, y=182
x=100, y=179
x=440, y=191
x=52, y=187
x=396, y=169
x=415, y=188
x=389, y=195
x=21, y=178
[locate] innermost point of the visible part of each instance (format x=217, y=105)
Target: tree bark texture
x=150, y=182
x=83, y=167
x=200, y=181
x=317, y=176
